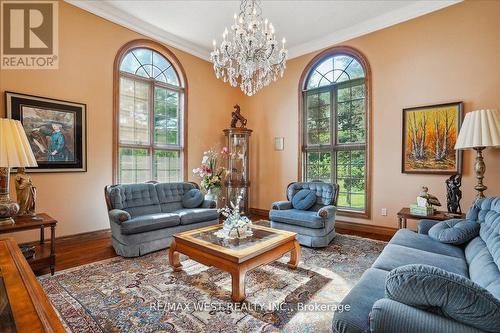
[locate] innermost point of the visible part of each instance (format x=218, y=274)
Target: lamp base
x=479, y=169
x=8, y=208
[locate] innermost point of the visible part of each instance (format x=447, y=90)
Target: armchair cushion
x=301, y=218
x=454, y=231
x=192, y=198
x=119, y=216
x=303, y=199
x=282, y=205
x=449, y=295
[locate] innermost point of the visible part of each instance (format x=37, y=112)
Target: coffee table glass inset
x=258, y=236
x=235, y=256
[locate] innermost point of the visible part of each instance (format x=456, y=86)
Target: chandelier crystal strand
x=248, y=54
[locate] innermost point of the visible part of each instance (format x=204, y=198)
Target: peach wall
x=449, y=55
x=88, y=45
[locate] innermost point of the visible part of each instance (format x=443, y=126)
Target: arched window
x=335, y=117
x=150, y=111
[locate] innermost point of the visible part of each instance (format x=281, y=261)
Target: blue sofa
x=315, y=227
x=372, y=310
x=143, y=217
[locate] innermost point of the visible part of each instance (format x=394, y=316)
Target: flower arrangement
x=210, y=171
x=235, y=225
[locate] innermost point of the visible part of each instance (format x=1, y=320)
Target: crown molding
x=406, y=13
x=111, y=13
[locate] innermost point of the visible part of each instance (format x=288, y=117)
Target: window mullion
x=333, y=126
x=151, y=129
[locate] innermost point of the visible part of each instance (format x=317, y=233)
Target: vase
x=211, y=195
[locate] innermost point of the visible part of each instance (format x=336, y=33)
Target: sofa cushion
x=408, y=238
x=482, y=268
x=133, y=195
x=195, y=215
x=454, y=231
x=304, y=199
x=192, y=198
x=450, y=295
x=298, y=217
x=172, y=192
x=367, y=291
x=394, y=256
x=149, y=222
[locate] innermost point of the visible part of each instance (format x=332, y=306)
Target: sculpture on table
x=432, y=200
x=454, y=194
x=237, y=116
x=26, y=193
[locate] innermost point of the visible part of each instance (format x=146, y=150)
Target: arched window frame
x=183, y=88
x=311, y=66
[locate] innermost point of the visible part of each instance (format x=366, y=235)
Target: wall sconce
x=279, y=143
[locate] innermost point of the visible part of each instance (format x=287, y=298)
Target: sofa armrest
x=119, y=216
x=327, y=212
x=282, y=205
x=424, y=226
x=208, y=204
x=389, y=316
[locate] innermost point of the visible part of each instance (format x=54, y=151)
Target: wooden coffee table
x=236, y=257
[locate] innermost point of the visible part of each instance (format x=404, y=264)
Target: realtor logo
x=29, y=35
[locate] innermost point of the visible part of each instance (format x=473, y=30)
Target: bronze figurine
x=26, y=193
x=237, y=116
x=454, y=194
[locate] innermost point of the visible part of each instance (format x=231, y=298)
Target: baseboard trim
x=259, y=212
x=368, y=228
x=87, y=234
x=351, y=226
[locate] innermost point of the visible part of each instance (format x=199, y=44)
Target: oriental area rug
x=145, y=295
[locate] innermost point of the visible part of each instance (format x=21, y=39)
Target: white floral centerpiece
x=235, y=226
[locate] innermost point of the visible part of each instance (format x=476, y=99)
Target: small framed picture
x=56, y=131
x=429, y=137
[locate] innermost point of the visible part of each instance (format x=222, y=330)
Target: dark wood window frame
x=335, y=51
x=182, y=89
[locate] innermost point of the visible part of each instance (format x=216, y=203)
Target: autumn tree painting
x=429, y=138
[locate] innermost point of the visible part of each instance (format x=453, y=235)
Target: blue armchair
x=315, y=227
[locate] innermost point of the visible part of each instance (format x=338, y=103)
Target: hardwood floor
x=77, y=250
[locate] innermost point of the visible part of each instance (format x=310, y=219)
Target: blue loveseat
x=143, y=217
x=373, y=309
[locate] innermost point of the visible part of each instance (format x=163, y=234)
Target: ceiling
x=308, y=26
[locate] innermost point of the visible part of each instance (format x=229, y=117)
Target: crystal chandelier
x=249, y=55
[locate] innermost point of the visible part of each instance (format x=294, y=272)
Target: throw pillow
x=454, y=231
x=192, y=198
x=447, y=294
x=304, y=199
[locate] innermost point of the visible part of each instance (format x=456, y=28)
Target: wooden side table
x=45, y=254
x=404, y=215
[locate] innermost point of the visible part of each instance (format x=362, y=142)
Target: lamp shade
x=480, y=129
x=15, y=150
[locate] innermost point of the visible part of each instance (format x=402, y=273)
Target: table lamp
x=479, y=130
x=15, y=151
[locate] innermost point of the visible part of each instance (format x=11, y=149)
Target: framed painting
x=56, y=131
x=429, y=136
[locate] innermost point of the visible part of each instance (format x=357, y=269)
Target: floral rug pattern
x=145, y=295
